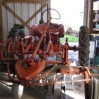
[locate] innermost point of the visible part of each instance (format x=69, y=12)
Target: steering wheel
x=59, y=16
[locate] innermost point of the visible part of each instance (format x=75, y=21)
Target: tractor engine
x=53, y=34
x=27, y=55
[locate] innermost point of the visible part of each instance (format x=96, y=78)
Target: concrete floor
x=29, y=92
x=41, y=93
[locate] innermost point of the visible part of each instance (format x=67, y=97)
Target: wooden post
x=90, y=16
x=85, y=21
x=1, y=23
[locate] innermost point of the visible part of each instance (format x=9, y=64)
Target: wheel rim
x=17, y=91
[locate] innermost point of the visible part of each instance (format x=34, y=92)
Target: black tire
x=84, y=39
x=17, y=91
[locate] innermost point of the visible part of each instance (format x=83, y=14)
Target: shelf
x=94, y=34
x=95, y=11
x=94, y=17
x=95, y=29
x=94, y=20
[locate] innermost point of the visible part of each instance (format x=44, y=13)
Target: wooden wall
x=1, y=22
x=24, y=11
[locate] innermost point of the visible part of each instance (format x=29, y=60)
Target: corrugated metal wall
x=24, y=10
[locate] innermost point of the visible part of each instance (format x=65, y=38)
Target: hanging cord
x=41, y=21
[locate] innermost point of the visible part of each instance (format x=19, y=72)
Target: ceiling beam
x=24, y=1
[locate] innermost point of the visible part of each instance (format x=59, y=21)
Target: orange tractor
x=32, y=60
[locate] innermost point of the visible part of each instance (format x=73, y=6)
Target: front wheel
x=57, y=91
x=17, y=91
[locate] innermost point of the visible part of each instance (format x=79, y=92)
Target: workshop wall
x=25, y=11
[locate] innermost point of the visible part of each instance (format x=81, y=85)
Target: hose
x=42, y=20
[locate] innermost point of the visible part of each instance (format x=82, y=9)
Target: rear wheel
x=17, y=91
x=84, y=46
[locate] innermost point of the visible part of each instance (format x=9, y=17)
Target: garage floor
x=29, y=93
x=41, y=93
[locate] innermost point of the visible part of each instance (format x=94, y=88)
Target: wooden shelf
x=94, y=20
x=95, y=11
x=95, y=29
x=94, y=34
